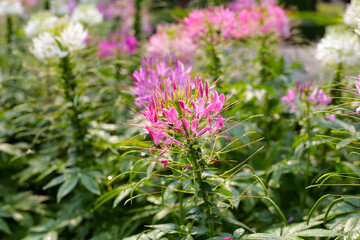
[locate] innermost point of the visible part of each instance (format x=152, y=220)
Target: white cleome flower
x=59, y=7
x=88, y=14
x=46, y=47
x=339, y=47
x=10, y=8
x=73, y=37
x=352, y=13
x=41, y=22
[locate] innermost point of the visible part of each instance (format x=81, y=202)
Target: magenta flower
x=165, y=162
x=290, y=98
x=172, y=39
x=317, y=96
x=158, y=75
x=124, y=11
x=263, y=18
x=183, y=111
x=117, y=44
x=306, y=92
x=248, y=19
x=215, y=23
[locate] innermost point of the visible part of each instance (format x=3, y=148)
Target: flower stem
x=47, y=5
x=9, y=33
x=215, y=63
x=69, y=86
x=308, y=153
x=335, y=92
x=137, y=19
x=194, y=155
x=264, y=76
x=181, y=205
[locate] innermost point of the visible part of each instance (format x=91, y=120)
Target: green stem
x=203, y=3
x=118, y=71
x=308, y=153
x=47, y=5
x=69, y=87
x=265, y=76
x=9, y=33
x=137, y=19
x=308, y=131
x=335, y=92
x=181, y=204
x=194, y=155
x=215, y=64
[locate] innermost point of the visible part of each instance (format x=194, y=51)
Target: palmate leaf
x=90, y=183
x=67, y=187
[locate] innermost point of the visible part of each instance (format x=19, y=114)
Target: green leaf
x=90, y=184
x=317, y=232
x=167, y=228
x=10, y=149
x=54, y=182
x=53, y=235
x=4, y=227
x=262, y=236
x=199, y=230
x=238, y=232
x=236, y=222
x=67, y=187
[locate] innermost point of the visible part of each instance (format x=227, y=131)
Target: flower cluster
x=172, y=38
x=58, y=44
x=124, y=10
x=62, y=7
x=87, y=14
x=180, y=113
x=252, y=20
x=155, y=73
x=306, y=92
x=249, y=4
x=117, y=44
x=352, y=12
x=211, y=22
x=8, y=7
x=212, y=25
x=43, y=22
x=339, y=47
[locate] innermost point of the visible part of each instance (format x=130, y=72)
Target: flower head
x=124, y=10
x=45, y=47
x=352, y=13
x=117, y=44
x=157, y=75
x=179, y=112
x=339, y=47
x=41, y=22
x=8, y=7
x=172, y=39
x=73, y=37
x=59, y=42
x=216, y=22
x=306, y=92
x=88, y=14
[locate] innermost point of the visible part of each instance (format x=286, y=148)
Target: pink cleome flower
x=158, y=74
x=117, y=44
x=183, y=113
x=306, y=91
x=172, y=39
